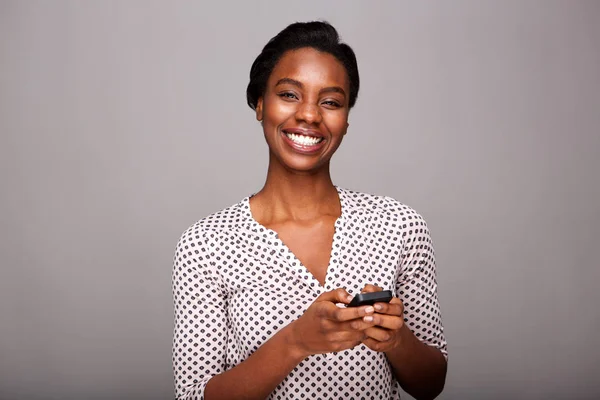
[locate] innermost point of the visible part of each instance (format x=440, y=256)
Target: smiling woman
x=304, y=108
x=260, y=287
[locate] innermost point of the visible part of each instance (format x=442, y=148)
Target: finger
x=391, y=322
x=339, y=295
x=378, y=334
x=346, y=336
x=371, y=288
x=359, y=324
x=394, y=307
x=373, y=344
x=334, y=313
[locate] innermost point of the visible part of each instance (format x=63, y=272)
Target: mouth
x=304, y=140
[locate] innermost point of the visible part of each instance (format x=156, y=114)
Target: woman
x=260, y=287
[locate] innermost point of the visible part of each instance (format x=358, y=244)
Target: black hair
x=316, y=34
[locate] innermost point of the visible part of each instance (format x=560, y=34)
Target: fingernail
x=378, y=307
x=349, y=298
x=369, y=310
x=368, y=318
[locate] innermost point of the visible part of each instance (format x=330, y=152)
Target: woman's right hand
x=326, y=328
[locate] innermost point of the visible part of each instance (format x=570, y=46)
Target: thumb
x=371, y=288
x=339, y=295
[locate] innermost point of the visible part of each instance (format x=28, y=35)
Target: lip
x=300, y=148
x=305, y=132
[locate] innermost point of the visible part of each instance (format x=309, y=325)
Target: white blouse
x=235, y=284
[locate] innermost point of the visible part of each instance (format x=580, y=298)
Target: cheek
x=338, y=124
x=276, y=112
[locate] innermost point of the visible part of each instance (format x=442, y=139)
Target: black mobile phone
x=368, y=299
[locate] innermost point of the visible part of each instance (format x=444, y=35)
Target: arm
x=200, y=337
x=419, y=368
x=424, y=345
x=259, y=374
x=201, y=328
x=201, y=323
x=409, y=329
x=323, y=328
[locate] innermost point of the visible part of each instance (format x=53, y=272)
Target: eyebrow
x=290, y=81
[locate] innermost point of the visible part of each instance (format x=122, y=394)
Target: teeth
x=303, y=140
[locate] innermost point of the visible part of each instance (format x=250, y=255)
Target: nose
x=309, y=113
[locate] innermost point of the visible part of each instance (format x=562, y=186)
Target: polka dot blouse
x=235, y=284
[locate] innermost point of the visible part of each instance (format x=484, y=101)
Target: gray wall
x=124, y=122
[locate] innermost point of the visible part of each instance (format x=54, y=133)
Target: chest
x=310, y=242
x=266, y=286
x=296, y=260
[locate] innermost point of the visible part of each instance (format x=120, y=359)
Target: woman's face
x=304, y=110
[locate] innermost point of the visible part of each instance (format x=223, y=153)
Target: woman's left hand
x=389, y=322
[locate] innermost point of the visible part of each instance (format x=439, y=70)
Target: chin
x=302, y=167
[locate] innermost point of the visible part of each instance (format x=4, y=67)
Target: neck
x=289, y=195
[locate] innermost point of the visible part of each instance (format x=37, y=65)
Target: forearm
x=419, y=368
x=258, y=375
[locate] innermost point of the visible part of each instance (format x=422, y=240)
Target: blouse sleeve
x=200, y=332
x=417, y=285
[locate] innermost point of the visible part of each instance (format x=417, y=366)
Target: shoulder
x=226, y=221
x=382, y=205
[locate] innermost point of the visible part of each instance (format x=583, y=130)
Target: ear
x=346, y=130
x=259, y=109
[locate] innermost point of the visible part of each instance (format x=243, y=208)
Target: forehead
x=311, y=67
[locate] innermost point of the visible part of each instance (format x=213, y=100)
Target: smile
x=303, y=140
x=308, y=144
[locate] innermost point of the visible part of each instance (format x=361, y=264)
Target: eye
x=332, y=103
x=288, y=95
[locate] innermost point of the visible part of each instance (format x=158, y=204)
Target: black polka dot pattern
x=235, y=284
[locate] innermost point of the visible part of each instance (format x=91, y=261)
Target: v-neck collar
x=271, y=238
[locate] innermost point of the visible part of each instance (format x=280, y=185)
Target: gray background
x=122, y=123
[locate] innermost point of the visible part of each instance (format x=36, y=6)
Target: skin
x=420, y=368
x=309, y=89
